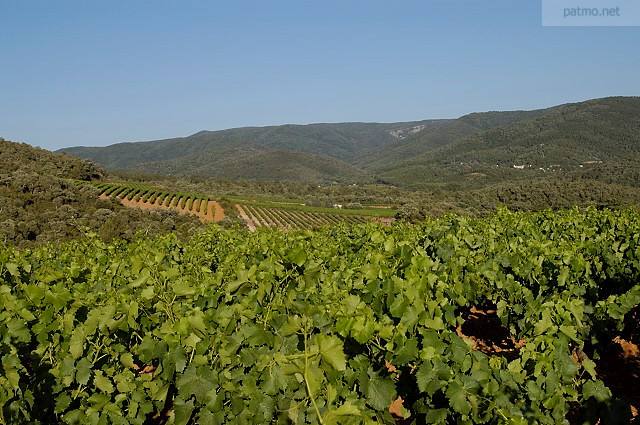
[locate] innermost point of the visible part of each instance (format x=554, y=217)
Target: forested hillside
x=40, y=201
x=343, y=141
x=389, y=156
x=495, y=146
x=562, y=141
x=285, y=165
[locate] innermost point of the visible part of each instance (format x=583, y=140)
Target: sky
x=99, y=72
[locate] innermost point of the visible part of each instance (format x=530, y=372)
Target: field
x=146, y=197
x=520, y=318
x=284, y=217
x=278, y=213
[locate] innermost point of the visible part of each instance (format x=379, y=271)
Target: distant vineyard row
x=147, y=197
x=261, y=216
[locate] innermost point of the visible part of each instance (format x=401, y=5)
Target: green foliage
x=40, y=202
x=522, y=196
x=284, y=165
x=340, y=141
x=475, y=150
x=557, y=142
x=20, y=157
x=275, y=327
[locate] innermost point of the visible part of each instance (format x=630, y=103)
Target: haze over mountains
x=575, y=139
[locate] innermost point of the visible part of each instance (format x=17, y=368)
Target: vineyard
x=274, y=214
x=518, y=318
x=143, y=196
x=282, y=217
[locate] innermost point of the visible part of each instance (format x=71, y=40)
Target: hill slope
x=388, y=157
x=343, y=141
x=284, y=165
x=480, y=148
x=559, y=141
x=40, y=202
x=22, y=158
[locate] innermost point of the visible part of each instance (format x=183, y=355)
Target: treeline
x=519, y=196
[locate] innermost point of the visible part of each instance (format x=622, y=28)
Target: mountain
x=560, y=140
x=389, y=155
x=283, y=165
x=474, y=150
x=344, y=141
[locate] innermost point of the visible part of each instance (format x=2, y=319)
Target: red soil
x=211, y=212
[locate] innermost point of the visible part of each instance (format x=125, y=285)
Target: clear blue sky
x=99, y=72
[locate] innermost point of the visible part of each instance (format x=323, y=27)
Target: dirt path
x=211, y=212
x=246, y=218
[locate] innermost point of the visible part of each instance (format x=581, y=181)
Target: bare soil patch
x=483, y=326
x=218, y=214
x=396, y=409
